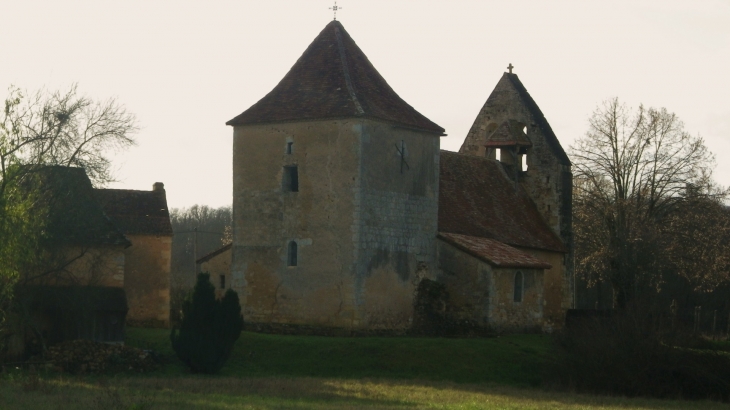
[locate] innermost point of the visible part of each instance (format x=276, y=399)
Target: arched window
x=292, y=254
x=519, y=286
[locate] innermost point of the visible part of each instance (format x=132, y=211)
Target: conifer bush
x=209, y=328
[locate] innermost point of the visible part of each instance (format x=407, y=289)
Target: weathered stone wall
x=395, y=221
x=217, y=266
x=363, y=229
x=508, y=315
x=147, y=280
x=558, y=293
x=484, y=295
x=96, y=266
x=548, y=179
x=319, y=218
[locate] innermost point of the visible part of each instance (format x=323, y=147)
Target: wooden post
x=714, y=322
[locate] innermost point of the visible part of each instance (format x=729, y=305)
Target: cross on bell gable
x=510, y=67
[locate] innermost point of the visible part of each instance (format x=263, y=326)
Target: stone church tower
x=511, y=128
x=335, y=195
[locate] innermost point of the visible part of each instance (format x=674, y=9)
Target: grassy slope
x=271, y=372
x=512, y=360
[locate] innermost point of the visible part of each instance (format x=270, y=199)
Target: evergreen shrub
x=209, y=328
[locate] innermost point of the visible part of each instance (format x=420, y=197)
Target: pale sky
x=186, y=67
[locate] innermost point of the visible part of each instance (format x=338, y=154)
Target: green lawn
x=305, y=372
x=512, y=360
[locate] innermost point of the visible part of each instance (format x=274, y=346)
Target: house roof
x=215, y=253
x=508, y=133
x=73, y=214
x=539, y=117
x=494, y=252
x=137, y=212
x=476, y=198
x=334, y=79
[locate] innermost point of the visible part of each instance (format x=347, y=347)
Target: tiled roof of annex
x=67, y=201
x=334, y=79
x=476, y=198
x=494, y=252
x=137, y=212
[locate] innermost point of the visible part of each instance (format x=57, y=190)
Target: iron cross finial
x=510, y=67
x=335, y=8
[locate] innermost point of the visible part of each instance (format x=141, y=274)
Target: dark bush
x=633, y=353
x=209, y=328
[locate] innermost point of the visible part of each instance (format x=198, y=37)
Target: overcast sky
x=186, y=67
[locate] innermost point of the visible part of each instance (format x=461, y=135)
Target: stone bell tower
x=511, y=127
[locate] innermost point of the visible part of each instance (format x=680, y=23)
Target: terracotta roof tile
x=494, y=252
x=334, y=79
x=476, y=198
x=137, y=212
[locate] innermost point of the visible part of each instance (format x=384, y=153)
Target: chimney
x=158, y=186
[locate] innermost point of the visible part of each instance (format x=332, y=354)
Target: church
x=344, y=204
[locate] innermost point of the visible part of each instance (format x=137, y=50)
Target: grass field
x=513, y=360
x=297, y=372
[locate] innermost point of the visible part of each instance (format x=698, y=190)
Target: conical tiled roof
x=334, y=79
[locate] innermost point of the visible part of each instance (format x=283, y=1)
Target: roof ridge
x=346, y=71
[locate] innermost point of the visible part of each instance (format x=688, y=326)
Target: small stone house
x=144, y=219
x=75, y=288
x=343, y=203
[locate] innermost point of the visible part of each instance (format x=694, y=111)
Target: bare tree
x=48, y=128
x=634, y=170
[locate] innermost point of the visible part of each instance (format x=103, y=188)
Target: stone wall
x=219, y=266
x=318, y=218
x=395, y=221
x=484, y=295
x=147, y=280
x=547, y=180
x=363, y=230
x=95, y=266
x=557, y=293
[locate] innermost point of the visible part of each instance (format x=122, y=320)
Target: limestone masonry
x=343, y=204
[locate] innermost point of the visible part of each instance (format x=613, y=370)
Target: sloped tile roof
x=494, y=252
x=476, y=198
x=334, y=79
x=508, y=133
x=73, y=214
x=137, y=212
x=214, y=253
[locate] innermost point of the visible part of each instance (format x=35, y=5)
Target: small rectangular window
x=223, y=281
x=289, y=146
x=292, y=254
x=290, y=179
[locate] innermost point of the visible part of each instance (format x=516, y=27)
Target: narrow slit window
x=289, y=147
x=292, y=254
x=498, y=154
x=223, y=281
x=519, y=286
x=524, y=163
x=290, y=179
